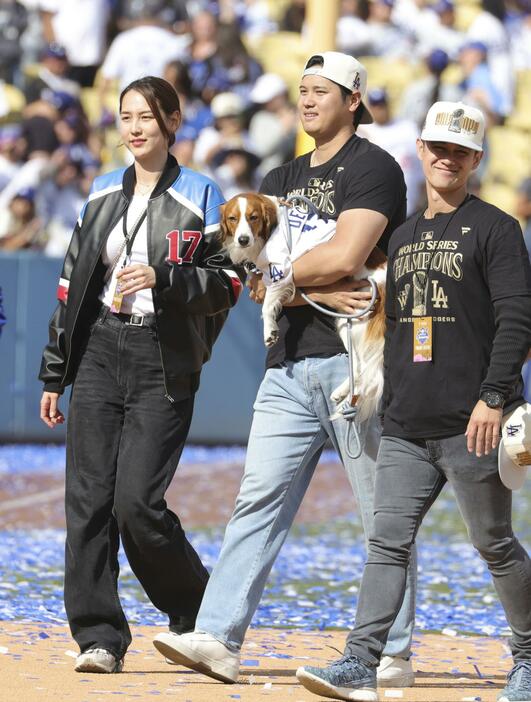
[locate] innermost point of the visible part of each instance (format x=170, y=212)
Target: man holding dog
x=458, y=309
x=361, y=187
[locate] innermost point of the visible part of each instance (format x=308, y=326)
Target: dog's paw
x=338, y=397
x=341, y=392
x=271, y=338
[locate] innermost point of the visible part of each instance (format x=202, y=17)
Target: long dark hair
x=161, y=98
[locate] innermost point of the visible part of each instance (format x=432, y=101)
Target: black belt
x=133, y=320
x=136, y=320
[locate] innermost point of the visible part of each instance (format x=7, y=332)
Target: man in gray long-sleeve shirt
x=458, y=308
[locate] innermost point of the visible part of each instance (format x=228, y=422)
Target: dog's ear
x=223, y=228
x=269, y=207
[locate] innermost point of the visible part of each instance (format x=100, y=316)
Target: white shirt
x=80, y=26
x=142, y=51
x=424, y=25
x=440, y=37
x=140, y=302
x=8, y=170
x=58, y=209
x=352, y=35
x=58, y=83
x=521, y=47
x=306, y=232
x=29, y=175
x=491, y=31
x=4, y=101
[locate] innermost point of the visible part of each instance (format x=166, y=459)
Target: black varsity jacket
x=196, y=283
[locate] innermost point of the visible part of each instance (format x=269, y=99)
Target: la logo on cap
x=514, y=455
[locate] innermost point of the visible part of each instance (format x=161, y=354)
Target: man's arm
x=345, y=296
x=508, y=275
x=342, y=296
x=511, y=343
x=357, y=233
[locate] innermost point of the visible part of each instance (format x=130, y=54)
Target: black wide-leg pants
x=124, y=441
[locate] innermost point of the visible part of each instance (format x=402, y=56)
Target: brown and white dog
x=251, y=233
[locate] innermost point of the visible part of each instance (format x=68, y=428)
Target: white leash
x=348, y=409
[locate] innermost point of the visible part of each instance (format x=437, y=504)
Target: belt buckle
x=133, y=321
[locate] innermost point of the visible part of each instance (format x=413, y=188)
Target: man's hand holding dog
x=345, y=295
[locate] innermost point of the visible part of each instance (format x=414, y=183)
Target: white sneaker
x=200, y=652
x=395, y=672
x=98, y=660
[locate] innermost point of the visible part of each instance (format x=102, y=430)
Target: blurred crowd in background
x=236, y=65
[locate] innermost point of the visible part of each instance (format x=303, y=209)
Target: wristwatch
x=492, y=399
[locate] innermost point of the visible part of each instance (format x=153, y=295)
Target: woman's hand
x=136, y=277
x=343, y=296
x=50, y=412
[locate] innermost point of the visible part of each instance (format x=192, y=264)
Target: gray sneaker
x=98, y=660
x=518, y=688
x=349, y=678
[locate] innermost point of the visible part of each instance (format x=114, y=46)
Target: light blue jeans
x=290, y=427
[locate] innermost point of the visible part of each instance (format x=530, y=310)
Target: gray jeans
x=409, y=477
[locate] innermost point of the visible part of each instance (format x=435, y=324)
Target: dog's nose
x=243, y=240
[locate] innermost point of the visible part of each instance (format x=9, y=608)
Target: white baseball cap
x=455, y=123
x=342, y=69
x=267, y=87
x=514, y=454
x=227, y=105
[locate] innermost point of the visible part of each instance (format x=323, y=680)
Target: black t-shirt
x=360, y=176
x=470, y=271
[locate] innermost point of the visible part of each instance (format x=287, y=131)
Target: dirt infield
x=36, y=665
x=36, y=659
x=201, y=498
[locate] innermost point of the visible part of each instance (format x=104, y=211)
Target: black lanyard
x=435, y=248
x=129, y=238
x=127, y=243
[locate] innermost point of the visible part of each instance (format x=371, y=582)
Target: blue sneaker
x=349, y=678
x=518, y=688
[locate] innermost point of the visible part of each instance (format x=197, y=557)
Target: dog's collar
x=250, y=267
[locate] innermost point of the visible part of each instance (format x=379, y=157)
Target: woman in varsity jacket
x=144, y=292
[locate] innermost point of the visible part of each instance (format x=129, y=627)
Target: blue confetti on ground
x=314, y=582
x=21, y=459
